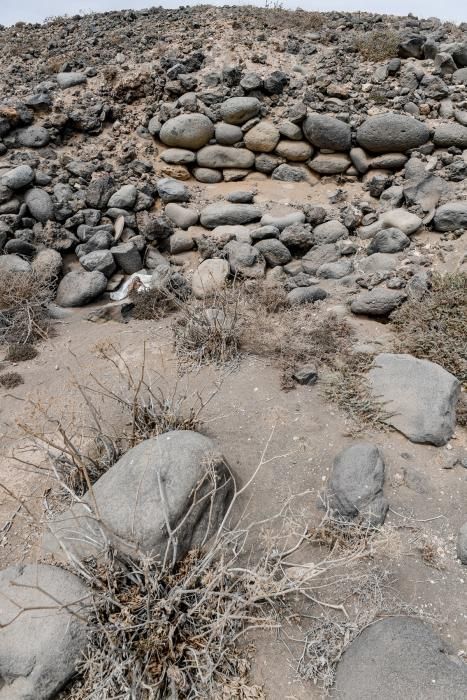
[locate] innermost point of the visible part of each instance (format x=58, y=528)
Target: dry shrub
x=377, y=45
x=435, y=326
x=209, y=331
x=276, y=17
x=295, y=336
x=131, y=406
x=152, y=304
x=10, y=380
x=24, y=297
x=348, y=388
x=159, y=631
x=21, y=353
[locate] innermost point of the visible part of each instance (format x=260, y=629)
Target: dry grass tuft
x=152, y=304
x=209, y=331
x=23, y=307
x=377, y=45
x=21, y=353
x=435, y=326
x=10, y=380
x=347, y=387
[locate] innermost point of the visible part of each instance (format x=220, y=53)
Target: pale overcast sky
x=12, y=11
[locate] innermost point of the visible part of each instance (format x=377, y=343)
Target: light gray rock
x=223, y=214
x=101, y=260
x=389, y=161
x=187, y=131
x=305, y=295
x=281, y=221
x=447, y=135
x=389, y=240
x=162, y=479
x=324, y=131
x=40, y=647
x=183, y=217
x=319, y=255
x=450, y=217
x=329, y=232
x=171, y=190
x=462, y=544
x=262, y=138
x=355, y=488
x=40, y=204
x=377, y=302
x=297, y=236
x=378, y=262
x=178, y=156
x=335, y=270
x=127, y=257
x=420, y=395
x=330, y=163
x=124, y=198
x=228, y=134
x=210, y=277
x=33, y=137
x=13, y=263
x=245, y=260
x=238, y=110
x=400, y=657
x=78, y=288
x=296, y=151
x=391, y=132
x=225, y=157
x=17, y=178
x=459, y=77
x=207, y=175
x=274, y=252
x=68, y=80
x=180, y=242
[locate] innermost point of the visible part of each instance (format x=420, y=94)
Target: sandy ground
x=247, y=406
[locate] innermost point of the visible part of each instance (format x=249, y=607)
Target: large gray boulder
x=392, y=132
x=419, y=396
x=178, y=479
x=40, y=647
x=451, y=134
x=377, y=302
x=225, y=157
x=238, y=110
x=356, y=484
x=450, y=217
x=222, y=214
x=187, y=131
x=170, y=190
x=78, y=288
x=327, y=132
x=399, y=658
x=40, y=204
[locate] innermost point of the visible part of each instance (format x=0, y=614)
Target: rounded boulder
x=187, y=131
x=390, y=132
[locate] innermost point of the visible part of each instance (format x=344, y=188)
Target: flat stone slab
x=419, y=395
